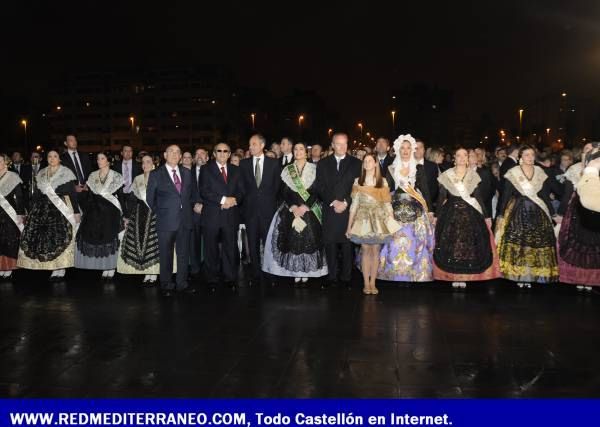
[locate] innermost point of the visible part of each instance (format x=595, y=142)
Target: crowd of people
x=398, y=212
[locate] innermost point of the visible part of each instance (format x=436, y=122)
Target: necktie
x=78, y=169
x=177, y=181
x=126, y=177
x=257, y=173
x=224, y=173
x=338, y=163
x=285, y=160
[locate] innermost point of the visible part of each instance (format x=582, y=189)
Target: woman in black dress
x=11, y=217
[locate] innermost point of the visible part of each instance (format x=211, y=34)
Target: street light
x=521, y=121
x=393, y=121
x=132, y=120
x=300, y=120
x=360, y=125
x=24, y=124
x=329, y=132
x=253, y=117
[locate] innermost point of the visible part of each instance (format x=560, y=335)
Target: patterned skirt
x=407, y=257
x=527, y=246
x=578, y=248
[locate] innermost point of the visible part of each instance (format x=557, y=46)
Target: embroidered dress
x=48, y=240
x=465, y=249
x=579, y=237
x=138, y=253
x=294, y=247
x=525, y=235
x=98, y=236
x=11, y=205
x=373, y=215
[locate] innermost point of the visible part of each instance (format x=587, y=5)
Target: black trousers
x=332, y=251
x=196, y=246
x=180, y=242
x=257, y=231
x=226, y=235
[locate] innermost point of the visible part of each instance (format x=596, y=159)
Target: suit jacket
x=84, y=159
x=280, y=161
x=173, y=209
x=388, y=160
x=487, y=187
x=136, y=168
x=431, y=175
x=212, y=190
x=336, y=185
x=261, y=201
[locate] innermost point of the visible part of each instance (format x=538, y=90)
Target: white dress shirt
x=170, y=170
x=286, y=158
x=220, y=166
x=127, y=172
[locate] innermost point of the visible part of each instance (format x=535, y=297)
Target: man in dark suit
x=129, y=169
x=335, y=177
x=171, y=194
x=261, y=179
x=510, y=162
x=78, y=162
x=221, y=190
x=196, y=252
x=431, y=171
x=382, y=149
x=27, y=172
x=287, y=154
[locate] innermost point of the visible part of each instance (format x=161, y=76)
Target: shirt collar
x=339, y=159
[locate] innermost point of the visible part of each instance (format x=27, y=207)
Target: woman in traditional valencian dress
x=371, y=221
x=579, y=237
x=98, y=236
x=48, y=240
x=12, y=210
x=408, y=256
x=138, y=252
x=294, y=245
x=465, y=250
x=524, y=229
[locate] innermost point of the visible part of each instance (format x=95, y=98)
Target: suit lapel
x=168, y=176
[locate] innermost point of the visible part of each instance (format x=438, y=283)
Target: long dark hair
x=363, y=172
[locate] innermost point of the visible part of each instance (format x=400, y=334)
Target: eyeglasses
x=222, y=151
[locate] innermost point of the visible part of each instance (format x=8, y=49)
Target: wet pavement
x=86, y=338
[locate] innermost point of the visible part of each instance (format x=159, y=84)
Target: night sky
x=494, y=55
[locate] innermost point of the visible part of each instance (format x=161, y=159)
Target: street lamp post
x=521, y=122
x=24, y=123
x=360, y=125
x=393, y=121
x=329, y=132
x=300, y=121
x=253, y=117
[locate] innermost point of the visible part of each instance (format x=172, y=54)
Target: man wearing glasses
x=221, y=192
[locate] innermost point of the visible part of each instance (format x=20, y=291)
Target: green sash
x=315, y=208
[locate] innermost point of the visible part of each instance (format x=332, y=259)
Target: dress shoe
x=212, y=287
x=347, y=285
x=190, y=290
x=166, y=293
x=231, y=285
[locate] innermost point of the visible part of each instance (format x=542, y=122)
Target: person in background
x=128, y=169
x=316, y=151
x=501, y=155
x=276, y=148
x=78, y=162
x=187, y=161
x=431, y=171
x=240, y=152
x=287, y=156
x=360, y=154
x=196, y=244
x=235, y=159
x=271, y=154
x=382, y=149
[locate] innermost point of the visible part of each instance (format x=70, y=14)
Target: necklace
x=528, y=178
x=102, y=180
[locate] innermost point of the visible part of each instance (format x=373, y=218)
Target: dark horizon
x=493, y=57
